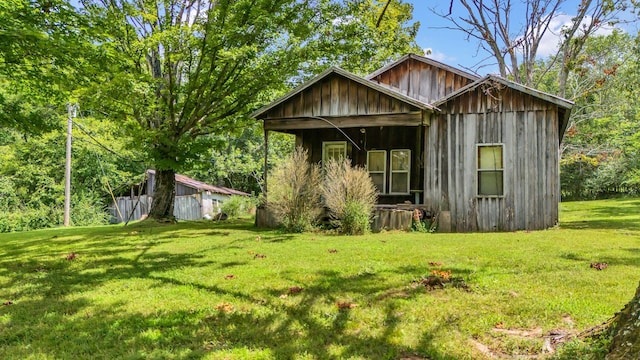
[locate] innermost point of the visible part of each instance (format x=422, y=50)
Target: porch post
x=266, y=156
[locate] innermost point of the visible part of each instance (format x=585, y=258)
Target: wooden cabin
x=482, y=153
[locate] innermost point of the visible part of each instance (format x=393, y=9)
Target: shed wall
x=529, y=131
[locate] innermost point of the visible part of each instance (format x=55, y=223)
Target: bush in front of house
x=350, y=195
x=294, y=192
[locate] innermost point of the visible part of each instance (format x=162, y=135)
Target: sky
x=451, y=47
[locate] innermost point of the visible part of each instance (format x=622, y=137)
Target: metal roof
x=199, y=185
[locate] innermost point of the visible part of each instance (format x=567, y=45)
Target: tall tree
x=513, y=37
x=180, y=70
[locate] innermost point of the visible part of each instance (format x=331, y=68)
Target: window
x=377, y=168
x=490, y=170
x=333, y=150
x=400, y=171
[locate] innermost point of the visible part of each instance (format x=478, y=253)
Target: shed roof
x=341, y=72
x=425, y=60
x=199, y=185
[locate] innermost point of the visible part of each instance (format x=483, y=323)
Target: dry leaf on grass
x=599, y=265
x=346, y=305
x=224, y=307
x=295, y=289
x=443, y=274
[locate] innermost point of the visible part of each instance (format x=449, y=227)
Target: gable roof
x=425, y=60
x=340, y=72
x=561, y=102
x=199, y=185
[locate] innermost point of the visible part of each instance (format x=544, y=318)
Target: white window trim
x=325, y=144
x=478, y=170
x=391, y=172
x=384, y=170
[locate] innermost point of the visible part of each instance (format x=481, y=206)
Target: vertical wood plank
x=373, y=100
x=335, y=96
x=363, y=100
x=316, y=94
x=345, y=102
x=353, y=97
x=325, y=98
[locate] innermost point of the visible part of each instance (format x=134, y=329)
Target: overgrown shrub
x=25, y=219
x=293, y=194
x=239, y=205
x=234, y=206
x=350, y=195
x=88, y=209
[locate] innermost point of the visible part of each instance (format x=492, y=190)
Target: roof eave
x=564, y=103
x=390, y=92
x=426, y=60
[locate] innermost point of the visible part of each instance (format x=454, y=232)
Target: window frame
x=383, y=172
x=326, y=144
x=391, y=172
x=479, y=170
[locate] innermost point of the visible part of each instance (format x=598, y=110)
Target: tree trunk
x=625, y=343
x=164, y=193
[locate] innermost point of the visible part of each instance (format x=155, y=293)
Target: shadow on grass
x=57, y=321
x=287, y=330
x=607, y=215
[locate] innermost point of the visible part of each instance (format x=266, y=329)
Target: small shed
x=481, y=154
x=194, y=199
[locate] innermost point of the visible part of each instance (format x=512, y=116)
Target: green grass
x=142, y=292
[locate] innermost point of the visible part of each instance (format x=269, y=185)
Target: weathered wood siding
x=187, y=207
x=338, y=96
x=529, y=130
x=422, y=81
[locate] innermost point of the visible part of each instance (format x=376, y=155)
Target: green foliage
x=234, y=206
x=361, y=37
x=32, y=176
x=25, y=219
x=350, y=195
x=591, y=349
x=294, y=192
x=356, y=219
x=601, y=147
x=88, y=209
x=236, y=158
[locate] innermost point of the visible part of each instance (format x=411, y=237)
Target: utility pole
x=71, y=109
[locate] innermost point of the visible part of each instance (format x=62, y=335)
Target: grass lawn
x=223, y=290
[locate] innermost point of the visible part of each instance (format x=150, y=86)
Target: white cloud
x=551, y=39
x=438, y=56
